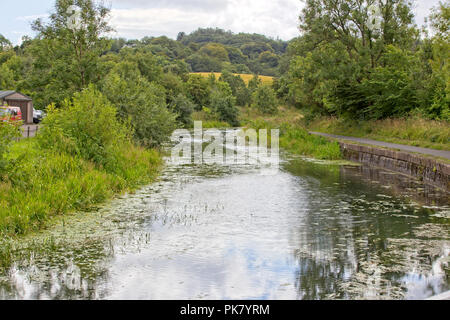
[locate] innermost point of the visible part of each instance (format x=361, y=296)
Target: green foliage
x=82, y=156
x=5, y=44
x=8, y=132
x=439, y=89
x=265, y=100
x=173, y=85
x=215, y=50
x=66, y=60
x=46, y=183
x=140, y=103
x=198, y=90
x=184, y=108
x=87, y=127
x=298, y=141
x=254, y=83
x=347, y=66
x=224, y=104
x=238, y=88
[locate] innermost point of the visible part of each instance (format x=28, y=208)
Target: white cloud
x=272, y=18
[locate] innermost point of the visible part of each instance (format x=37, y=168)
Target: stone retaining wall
x=425, y=169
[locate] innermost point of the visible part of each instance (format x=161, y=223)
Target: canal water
x=313, y=230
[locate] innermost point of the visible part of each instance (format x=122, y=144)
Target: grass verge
x=42, y=184
x=411, y=131
x=294, y=137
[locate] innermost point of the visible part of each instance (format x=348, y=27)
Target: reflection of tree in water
x=353, y=242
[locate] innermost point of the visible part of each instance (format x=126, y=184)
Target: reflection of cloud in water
x=312, y=231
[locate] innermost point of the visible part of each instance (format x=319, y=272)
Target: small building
x=17, y=99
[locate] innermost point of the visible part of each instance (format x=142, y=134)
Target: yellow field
x=245, y=77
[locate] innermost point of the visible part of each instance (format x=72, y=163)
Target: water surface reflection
x=312, y=231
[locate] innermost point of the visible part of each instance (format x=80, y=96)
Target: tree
x=224, y=104
x=204, y=63
x=86, y=126
x=140, y=102
x=215, y=51
x=238, y=88
x=183, y=108
x=265, y=99
x=5, y=44
x=254, y=83
x=69, y=47
x=440, y=79
x=343, y=62
x=198, y=90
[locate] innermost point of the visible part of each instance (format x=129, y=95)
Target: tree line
x=148, y=81
x=367, y=59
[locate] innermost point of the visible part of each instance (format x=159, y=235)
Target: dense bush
x=238, y=88
x=8, y=132
x=82, y=156
x=87, y=127
x=224, y=104
x=265, y=99
x=198, y=90
x=183, y=108
x=141, y=104
x=342, y=66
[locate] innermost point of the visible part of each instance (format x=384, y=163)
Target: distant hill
x=216, y=50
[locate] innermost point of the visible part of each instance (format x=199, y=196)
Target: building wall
x=25, y=106
x=23, y=102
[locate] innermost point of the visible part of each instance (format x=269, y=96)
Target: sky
x=135, y=19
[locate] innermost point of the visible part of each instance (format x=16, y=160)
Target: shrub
x=265, y=99
x=87, y=127
x=184, y=108
x=224, y=104
x=143, y=105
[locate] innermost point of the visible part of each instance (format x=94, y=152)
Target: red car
x=12, y=114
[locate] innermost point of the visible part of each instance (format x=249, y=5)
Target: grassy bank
x=294, y=137
x=411, y=131
x=44, y=184
x=82, y=156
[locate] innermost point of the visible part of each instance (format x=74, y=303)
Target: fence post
x=28, y=133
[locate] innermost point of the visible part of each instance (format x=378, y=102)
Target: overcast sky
x=139, y=18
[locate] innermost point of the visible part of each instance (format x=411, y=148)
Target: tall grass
x=44, y=184
x=82, y=156
x=410, y=131
x=297, y=140
x=293, y=135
